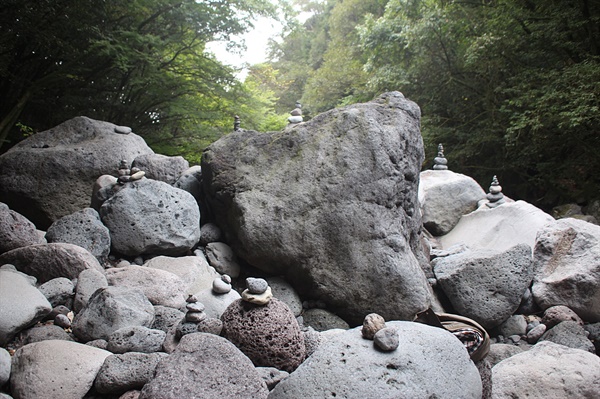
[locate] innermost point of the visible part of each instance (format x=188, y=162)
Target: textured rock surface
x=121, y=373
x=284, y=291
x=21, y=304
x=51, y=174
x=48, y=261
x=82, y=228
x=58, y=291
x=331, y=204
x=444, y=197
x=567, y=263
x=216, y=304
x=151, y=217
x=88, y=282
x=486, y=285
x=136, y=339
x=547, y=370
x=322, y=319
x=558, y=313
x=429, y=362
x=16, y=231
x=222, y=258
x=159, y=286
x=43, y=332
x=205, y=366
x=161, y=167
x=55, y=369
x=499, y=352
x=5, y=365
x=571, y=334
x=194, y=271
x=499, y=228
x=110, y=309
x=269, y=335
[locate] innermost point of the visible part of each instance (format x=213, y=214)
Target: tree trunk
x=7, y=123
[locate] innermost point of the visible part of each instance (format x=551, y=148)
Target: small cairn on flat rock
x=440, y=162
x=194, y=314
x=127, y=174
x=221, y=285
x=384, y=338
x=495, y=196
x=258, y=291
x=296, y=114
x=236, y=123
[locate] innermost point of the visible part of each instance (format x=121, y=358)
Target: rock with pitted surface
x=50, y=174
x=322, y=320
x=205, y=366
x=151, y=217
x=547, y=370
x=21, y=304
x=136, y=339
x=428, y=363
x=222, y=258
x=123, y=372
x=486, y=285
x=161, y=167
x=16, y=231
x=269, y=334
x=82, y=228
x=110, y=309
x=559, y=313
x=166, y=318
x=44, y=332
x=571, y=334
x=567, y=263
x=48, y=261
x=58, y=291
x=386, y=339
x=372, y=323
x=331, y=204
x=210, y=232
x=55, y=369
x=159, y=286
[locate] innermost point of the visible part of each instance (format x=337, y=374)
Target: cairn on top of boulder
x=495, y=196
x=127, y=174
x=221, y=285
x=296, y=114
x=258, y=291
x=440, y=162
x=236, y=123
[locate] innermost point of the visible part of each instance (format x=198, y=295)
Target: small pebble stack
x=440, y=162
x=127, y=175
x=194, y=314
x=495, y=196
x=236, y=123
x=385, y=338
x=296, y=114
x=258, y=291
x=221, y=285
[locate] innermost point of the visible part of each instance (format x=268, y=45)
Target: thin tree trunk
x=7, y=123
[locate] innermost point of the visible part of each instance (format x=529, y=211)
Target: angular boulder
x=486, y=285
x=82, y=228
x=331, y=204
x=21, y=304
x=428, y=363
x=51, y=174
x=151, y=217
x=121, y=373
x=498, y=228
x=446, y=196
x=205, y=366
x=55, y=369
x=161, y=167
x=567, y=263
x=48, y=261
x=16, y=231
x=547, y=370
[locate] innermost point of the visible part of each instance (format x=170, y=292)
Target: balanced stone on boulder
x=151, y=217
x=161, y=167
x=331, y=204
x=51, y=174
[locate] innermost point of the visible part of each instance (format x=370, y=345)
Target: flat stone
x=123, y=129
x=256, y=286
x=258, y=299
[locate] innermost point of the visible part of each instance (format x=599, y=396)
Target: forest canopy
x=510, y=87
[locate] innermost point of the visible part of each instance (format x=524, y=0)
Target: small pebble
x=387, y=339
x=220, y=287
x=62, y=320
x=372, y=323
x=195, y=317
x=226, y=278
x=138, y=175
x=122, y=129
x=191, y=299
x=514, y=338
x=536, y=333
x=256, y=285
x=195, y=307
x=258, y=299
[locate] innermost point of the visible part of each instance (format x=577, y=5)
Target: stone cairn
x=236, y=123
x=495, y=196
x=258, y=291
x=439, y=162
x=384, y=338
x=128, y=175
x=296, y=114
x=221, y=285
x=196, y=320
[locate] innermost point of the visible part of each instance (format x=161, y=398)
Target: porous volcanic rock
x=161, y=167
x=16, y=231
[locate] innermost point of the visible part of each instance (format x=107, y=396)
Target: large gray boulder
x=161, y=167
x=151, y=217
x=55, y=369
x=205, y=366
x=110, y=309
x=16, y=231
x=160, y=287
x=444, y=197
x=51, y=174
x=124, y=372
x=82, y=228
x=331, y=204
x=498, y=228
x=567, y=263
x=194, y=271
x=485, y=285
x=48, y=261
x=547, y=370
x=428, y=363
x=21, y=304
